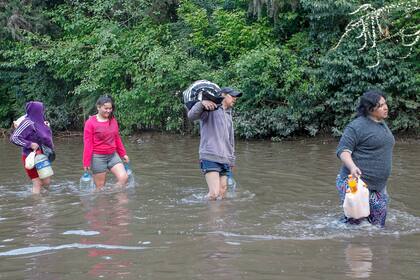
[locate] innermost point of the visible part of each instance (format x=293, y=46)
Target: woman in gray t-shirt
x=365, y=149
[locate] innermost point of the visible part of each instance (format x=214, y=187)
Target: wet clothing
x=32, y=129
x=32, y=173
x=378, y=202
x=370, y=144
x=101, y=138
x=102, y=163
x=217, y=141
x=211, y=166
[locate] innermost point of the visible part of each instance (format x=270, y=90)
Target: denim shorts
x=100, y=163
x=211, y=166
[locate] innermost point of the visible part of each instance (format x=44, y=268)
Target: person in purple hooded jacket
x=32, y=132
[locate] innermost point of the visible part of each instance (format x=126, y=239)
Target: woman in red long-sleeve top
x=103, y=148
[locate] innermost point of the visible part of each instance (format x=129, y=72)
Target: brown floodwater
x=282, y=222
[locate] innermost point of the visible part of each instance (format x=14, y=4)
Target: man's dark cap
x=230, y=91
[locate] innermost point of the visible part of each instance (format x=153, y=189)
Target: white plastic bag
x=17, y=122
x=30, y=160
x=356, y=204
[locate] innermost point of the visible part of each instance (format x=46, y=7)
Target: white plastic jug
x=43, y=166
x=356, y=204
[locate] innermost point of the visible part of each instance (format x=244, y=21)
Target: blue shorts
x=211, y=166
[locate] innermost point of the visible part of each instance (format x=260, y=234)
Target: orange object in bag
x=356, y=201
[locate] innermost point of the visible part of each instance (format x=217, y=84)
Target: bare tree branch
x=371, y=27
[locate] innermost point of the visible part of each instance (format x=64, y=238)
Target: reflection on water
x=359, y=259
x=283, y=213
x=110, y=217
x=216, y=256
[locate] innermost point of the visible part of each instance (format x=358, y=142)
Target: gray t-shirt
x=371, y=144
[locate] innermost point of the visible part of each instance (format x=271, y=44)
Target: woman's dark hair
x=106, y=99
x=368, y=102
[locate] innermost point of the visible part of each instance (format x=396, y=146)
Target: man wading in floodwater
x=217, y=143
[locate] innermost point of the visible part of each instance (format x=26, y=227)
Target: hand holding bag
x=48, y=152
x=356, y=204
x=30, y=160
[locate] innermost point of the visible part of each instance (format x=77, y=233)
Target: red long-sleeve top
x=101, y=138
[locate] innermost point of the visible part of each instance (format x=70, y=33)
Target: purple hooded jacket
x=32, y=129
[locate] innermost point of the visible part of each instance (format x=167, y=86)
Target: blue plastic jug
x=128, y=169
x=43, y=166
x=231, y=182
x=86, y=181
x=130, y=174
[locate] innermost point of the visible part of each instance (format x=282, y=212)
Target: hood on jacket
x=35, y=112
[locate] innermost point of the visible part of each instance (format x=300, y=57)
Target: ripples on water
x=39, y=249
x=281, y=221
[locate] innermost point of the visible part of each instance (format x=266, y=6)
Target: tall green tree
x=145, y=53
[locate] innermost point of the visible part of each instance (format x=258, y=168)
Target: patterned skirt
x=378, y=202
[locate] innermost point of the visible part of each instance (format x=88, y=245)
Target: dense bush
x=145, y=53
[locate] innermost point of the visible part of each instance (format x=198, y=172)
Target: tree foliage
x=376, y=25
x=145, y=53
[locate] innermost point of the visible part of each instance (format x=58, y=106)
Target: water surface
x=282, y=222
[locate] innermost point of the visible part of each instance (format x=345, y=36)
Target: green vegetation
x=145, y=53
